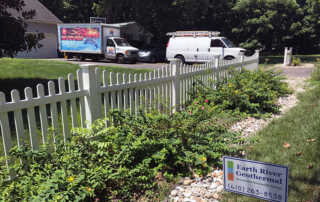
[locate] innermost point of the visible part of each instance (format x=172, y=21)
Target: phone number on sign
x=254, y=191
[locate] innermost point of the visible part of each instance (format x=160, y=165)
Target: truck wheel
x=181, y=58
x=120, y=59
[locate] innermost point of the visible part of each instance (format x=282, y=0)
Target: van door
x=217, y=47
x=110, y=52
x=203, y=49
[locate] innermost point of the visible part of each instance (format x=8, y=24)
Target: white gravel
x=250, y=126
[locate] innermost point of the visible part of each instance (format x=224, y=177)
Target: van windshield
x=121, y=42
x=228, y=42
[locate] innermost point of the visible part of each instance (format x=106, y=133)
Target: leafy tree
x=14, y=38
x=309, y=35
x=78, y=11
x=268, y=24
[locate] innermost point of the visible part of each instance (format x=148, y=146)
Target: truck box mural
x=84, y=38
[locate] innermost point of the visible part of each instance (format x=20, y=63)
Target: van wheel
x=181, y=58
x=229, y=57
x=120, y=59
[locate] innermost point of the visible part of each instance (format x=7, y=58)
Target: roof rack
x=194, y=33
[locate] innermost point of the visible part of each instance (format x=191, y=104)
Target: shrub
x=296, y=61
x=248, y=92
x=119, y=162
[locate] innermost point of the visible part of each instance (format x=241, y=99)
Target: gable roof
x=123, y=24
x=43, y=15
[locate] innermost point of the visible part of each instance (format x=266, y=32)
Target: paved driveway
x=139, y=65
x=302, y=71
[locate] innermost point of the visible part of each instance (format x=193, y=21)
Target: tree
x=309, y=34
x=13, y=38
x=70, y=11
x=268, y=24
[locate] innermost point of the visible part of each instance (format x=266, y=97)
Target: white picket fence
x=95, y=97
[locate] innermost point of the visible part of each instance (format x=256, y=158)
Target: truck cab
x=120, y=50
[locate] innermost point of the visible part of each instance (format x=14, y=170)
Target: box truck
x=95, y=41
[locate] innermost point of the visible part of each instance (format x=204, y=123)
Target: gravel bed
x=250, y=126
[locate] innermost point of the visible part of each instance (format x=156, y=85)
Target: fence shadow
x=7, y=85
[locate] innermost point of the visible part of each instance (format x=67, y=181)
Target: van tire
x=181, y=58
x=120, y=59
x=229, y=57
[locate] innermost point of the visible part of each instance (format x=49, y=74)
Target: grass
x=13, y=68
x=300, y=128
x=20, y=73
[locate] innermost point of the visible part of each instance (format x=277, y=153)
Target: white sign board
x=256, y=179
x=98, y=20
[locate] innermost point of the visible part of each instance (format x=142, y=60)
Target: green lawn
x=300, y=128
x=46, y=69
x=20, y=73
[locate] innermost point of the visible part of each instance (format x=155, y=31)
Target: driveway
x=302, y=71
x=138, y=65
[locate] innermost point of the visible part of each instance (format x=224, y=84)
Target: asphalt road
x=138, y=65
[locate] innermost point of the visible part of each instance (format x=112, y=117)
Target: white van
x=200, y=46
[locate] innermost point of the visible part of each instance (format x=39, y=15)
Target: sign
x=80, y=38
x=98, y=20
x=256, y=179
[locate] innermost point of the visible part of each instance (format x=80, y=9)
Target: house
x=44, y=22
x=134, y=33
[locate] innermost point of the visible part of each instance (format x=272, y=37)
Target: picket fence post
x=91, y=101
x=257, y=53
x=175, y=92
x=241, y=60
x=287, y=56
x=216, y=59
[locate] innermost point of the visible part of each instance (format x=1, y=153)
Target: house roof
x=122, y=24
x=43, y=15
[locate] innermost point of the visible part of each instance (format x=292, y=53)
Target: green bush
x=248, y=92
x=119, y=162
x=296, y=61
